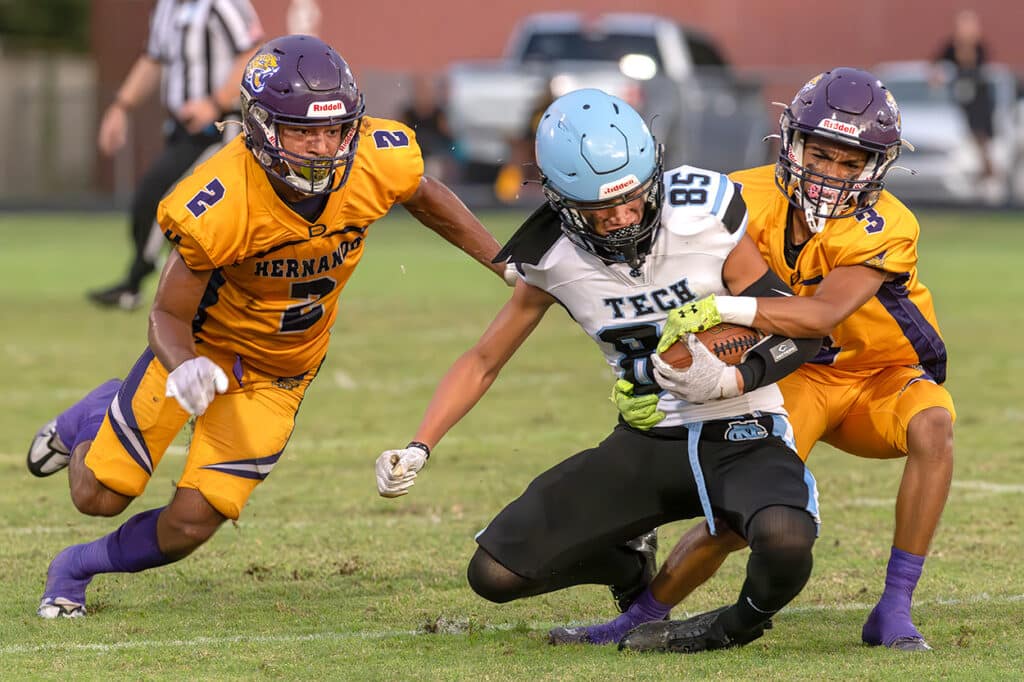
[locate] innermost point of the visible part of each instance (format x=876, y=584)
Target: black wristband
x=422, y=446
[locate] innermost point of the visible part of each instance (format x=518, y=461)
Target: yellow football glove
x=695, y=316
x=639, y=411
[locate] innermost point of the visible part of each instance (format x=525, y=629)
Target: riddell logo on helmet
x=618, y=187
x=326, y=109
x=840, y=127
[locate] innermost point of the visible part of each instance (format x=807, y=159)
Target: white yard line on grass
x=286, y=638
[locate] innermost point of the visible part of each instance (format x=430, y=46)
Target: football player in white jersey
x=619, y=244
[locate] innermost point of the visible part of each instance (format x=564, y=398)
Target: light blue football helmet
x=594, y=151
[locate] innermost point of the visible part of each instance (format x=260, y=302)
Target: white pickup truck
x=674, y=76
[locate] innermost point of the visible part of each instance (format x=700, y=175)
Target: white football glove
x=194, y=382
x=396, y=470
x=708, y=378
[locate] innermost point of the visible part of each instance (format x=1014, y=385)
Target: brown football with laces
x=729, y=342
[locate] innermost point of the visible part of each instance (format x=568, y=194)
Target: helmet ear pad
x=299, y=80
x=594, y=151
x=850, y=107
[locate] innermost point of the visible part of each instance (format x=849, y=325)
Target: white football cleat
x=47, y=455
x=60, y=608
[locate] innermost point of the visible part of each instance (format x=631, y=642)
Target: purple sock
x=81, y=421
x=645, y=609
x=890, y=619
x=131, y=548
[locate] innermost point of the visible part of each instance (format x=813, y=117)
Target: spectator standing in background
x=520, y=168
x=968, y=54
x=196, y=52
x=425, y=115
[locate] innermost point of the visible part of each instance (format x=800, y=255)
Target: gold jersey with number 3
x=273, y=294
x=897, y=326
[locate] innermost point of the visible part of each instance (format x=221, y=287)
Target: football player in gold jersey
x=266, y=234
x=848, y=248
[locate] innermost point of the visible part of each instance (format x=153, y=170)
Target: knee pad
x=492, y=581
x=781, y=539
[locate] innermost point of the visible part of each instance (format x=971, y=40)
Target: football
x=727, y=341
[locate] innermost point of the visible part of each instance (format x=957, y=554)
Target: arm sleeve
x=775, y=356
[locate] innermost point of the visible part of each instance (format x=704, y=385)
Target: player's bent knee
x=930, y=433
x=92, y=498
x=492, y=581
x=784, y=532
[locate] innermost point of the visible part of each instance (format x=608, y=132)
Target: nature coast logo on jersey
x=334, y=107
x=260, y=68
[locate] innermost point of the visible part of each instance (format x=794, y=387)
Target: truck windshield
x=607, y=47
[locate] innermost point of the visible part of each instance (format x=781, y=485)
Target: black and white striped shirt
x=196, y=42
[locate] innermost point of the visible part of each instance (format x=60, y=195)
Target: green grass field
x=323, y=579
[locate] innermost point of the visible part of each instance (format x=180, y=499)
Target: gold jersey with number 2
x=273, y=294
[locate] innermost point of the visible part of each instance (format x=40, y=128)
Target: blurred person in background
x=967, y=53
x=520, y=168
x=424, y=114
x=263, y=243
x=195, y=52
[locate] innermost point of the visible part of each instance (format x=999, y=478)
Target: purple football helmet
x=851, y=107
x=299, y=80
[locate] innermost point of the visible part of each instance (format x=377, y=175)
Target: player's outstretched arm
x=437, y=207
x=465, y=383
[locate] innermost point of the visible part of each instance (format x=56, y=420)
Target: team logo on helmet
x=809, y=84
x=260, y=68
x=893, y=109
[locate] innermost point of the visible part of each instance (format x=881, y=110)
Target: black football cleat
x=702, y=632
x=47, y=454
x=118, y=296
x=646, y=546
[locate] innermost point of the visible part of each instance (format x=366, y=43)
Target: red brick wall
x=755, y=33
x=780, y=39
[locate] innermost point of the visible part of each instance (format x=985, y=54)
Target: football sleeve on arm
x=774, y=356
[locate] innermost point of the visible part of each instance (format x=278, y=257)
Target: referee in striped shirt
x=196, y=52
